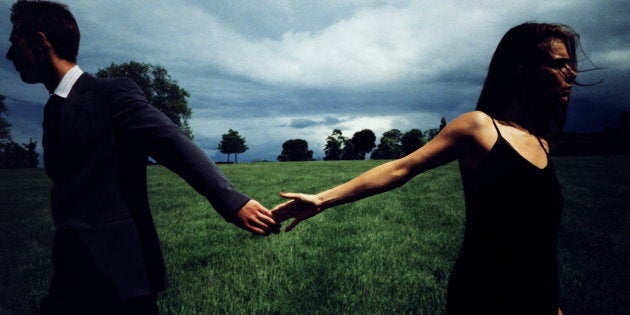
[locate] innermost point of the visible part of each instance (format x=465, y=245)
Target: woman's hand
x=301, y=207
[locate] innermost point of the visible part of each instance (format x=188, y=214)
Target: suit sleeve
x=158, y=136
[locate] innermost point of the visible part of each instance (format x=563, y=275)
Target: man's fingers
x=257, y=230
x=266, y=221
x=267, y=217
x=265, y=212
x=260, y=227
x=258, y=222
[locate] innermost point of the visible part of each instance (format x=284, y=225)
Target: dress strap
x=542, y=146
x=496, y=127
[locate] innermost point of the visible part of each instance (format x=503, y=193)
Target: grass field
x=388, y=254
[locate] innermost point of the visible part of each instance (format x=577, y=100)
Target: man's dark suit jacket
x=104, y=228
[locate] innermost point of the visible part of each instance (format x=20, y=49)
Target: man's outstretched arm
x=154, y=133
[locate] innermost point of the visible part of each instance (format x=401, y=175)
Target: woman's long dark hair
x=521, y=50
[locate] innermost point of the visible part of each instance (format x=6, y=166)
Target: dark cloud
x=303, y=123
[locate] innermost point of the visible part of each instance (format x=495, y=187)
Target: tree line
x=611, y=140
x=13, y=154
x=393, y=144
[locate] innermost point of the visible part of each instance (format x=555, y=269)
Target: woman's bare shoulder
x=478, y=117
x=478, y=129
x=472, y=122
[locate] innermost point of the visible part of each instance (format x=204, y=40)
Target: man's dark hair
x=51, y=18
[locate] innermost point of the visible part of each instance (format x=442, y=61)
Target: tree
x=348, y=152
x=30, y=157
x=334, y=144
x=295, y=150
x=364, y=142
x=158, y=86
x=389, y=147
x=12, y=154
x=412, y=140
x=5, y=126
x=232, y=142
x=431, y=133
x=442, y=124
x=616, y=139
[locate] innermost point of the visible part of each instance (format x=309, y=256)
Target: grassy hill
x=390, y=253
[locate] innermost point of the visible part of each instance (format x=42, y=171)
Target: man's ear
x=41, y=41
x=41, y=45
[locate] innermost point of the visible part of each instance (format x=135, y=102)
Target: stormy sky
x=280, y=70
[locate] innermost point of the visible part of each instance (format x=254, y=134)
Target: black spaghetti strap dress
x=507, y=263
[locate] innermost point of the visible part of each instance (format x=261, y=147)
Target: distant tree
x=389, y=147
x=364, y=142
x=442, y=124
x=160, y=89
x=431, y=133
x=232, y=142
x=334, y=145
x=616, y=139
x=295, y=150
x=393, y=134
x=12, y=154
x=5, y=126
x=30, y=156
x=348, y=151
x=412, y=140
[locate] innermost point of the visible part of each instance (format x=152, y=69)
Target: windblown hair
x=51, y=18
x=521, y=50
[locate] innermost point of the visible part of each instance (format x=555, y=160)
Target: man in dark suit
x=98, y=134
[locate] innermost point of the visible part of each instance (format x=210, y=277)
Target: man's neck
x=59, y=69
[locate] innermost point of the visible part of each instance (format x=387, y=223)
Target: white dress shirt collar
x=67, y=82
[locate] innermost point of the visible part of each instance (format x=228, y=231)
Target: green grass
x=594, y=234
x=390, y=253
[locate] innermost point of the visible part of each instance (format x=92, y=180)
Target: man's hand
x=301, y=208
x=255, y=218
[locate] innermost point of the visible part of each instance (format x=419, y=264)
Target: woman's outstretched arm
x=459, y=139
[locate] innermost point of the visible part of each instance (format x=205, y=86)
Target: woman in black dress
x=507, y=263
